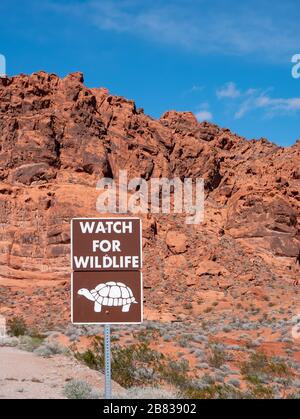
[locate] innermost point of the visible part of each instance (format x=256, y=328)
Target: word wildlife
x=106, y=245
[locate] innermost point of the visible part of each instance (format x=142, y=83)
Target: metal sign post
x=107, y=361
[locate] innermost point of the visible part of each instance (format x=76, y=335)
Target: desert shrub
x=200, y=354
x=43, y=351
x=234, y=382
x=125, y=361
x=128, y=363
x=30, y=344
x=137, y=364
x=146, y=335
x=213, y=392
x=48, y=349
x=9, y=341
x=183, y=342
x=203, y=366
x=227, y=329
x=144, y=375
x=17, y=326
x=34, y=333
x=76, y=389
x=260, y=367
x=217, y=357
x=261, y=392
x=174, y=373
x=226, y=392
x=91, y=359
x=74, y=331
x=208, y=379
x=143, y=371
x=220, y=377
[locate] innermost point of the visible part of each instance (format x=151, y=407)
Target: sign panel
x=107, y=297
x=106, y=263
x=112, y=244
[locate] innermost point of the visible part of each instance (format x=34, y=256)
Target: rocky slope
x=58, y=137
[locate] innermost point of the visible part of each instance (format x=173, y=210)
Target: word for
x=106, y=245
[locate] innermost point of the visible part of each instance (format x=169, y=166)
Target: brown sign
x=107, y=297
x=112, y=244
x=106, y=263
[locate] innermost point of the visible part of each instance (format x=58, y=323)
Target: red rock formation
x=58, y=137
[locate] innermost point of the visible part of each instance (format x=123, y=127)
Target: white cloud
x=257, y=99
x=204, y=27
x=197, y=88
x=271, y=106
x=292, y=104
x=194, y=89
x=228, y=91
x=204, y=116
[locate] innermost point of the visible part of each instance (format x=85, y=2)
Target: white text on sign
x=106, y=262
x=118, y=227
x=106, y=245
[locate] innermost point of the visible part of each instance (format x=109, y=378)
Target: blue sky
x=226, y=61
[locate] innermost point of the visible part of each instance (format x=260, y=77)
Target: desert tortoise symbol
x=111, y=294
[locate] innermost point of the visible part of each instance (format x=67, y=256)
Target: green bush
x=260, y=367
x=126, y=362
x=175, y=373
x=48, y=349
x=213, y=392
x=30, y=344
x=261, y=392
x=17, y=326
x=92, y=360
x=217, y=357
x=76, y=389
x=139, y=366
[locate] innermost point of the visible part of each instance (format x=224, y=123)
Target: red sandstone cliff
x=58, y=137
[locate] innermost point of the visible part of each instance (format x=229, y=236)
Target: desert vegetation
x=138, y=365
x=31, y=340
x=160, y=358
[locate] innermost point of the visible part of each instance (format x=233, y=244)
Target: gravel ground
x=24, y=375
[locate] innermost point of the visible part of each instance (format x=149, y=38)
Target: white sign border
x=107, y=270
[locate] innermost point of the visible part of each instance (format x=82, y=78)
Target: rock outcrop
x=58, y=137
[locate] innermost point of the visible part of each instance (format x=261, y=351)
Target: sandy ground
x=24, y=375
